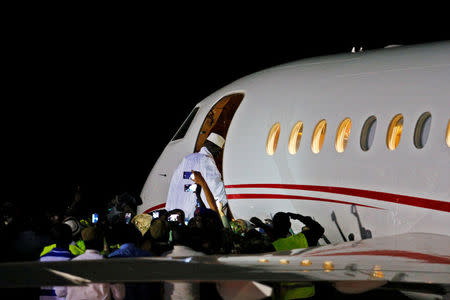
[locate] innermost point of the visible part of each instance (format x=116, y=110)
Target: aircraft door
x=184, y=142
x=218, y=120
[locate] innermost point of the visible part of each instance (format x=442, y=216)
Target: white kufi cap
x=74, y=225
x=216, y=139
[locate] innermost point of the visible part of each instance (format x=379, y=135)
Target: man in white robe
x=202, y=161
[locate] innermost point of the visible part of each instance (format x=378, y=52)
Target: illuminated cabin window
x=447, y=139
x=318, y=136
x=272, y=139
x=422, y=130
x=342, y=135
x=368, y=133
x=295, y=138
x=394, y=132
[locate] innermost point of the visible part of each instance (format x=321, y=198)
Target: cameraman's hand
x=256, y=221
x=294, y=216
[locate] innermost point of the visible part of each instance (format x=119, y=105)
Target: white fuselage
x=394, y=191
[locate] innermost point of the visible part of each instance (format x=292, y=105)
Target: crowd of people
x=192, y=224
x=159, y=233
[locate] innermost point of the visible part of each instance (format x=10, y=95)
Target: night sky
x=96, y=106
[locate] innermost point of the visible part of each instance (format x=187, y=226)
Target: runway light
x=284, y=261
x=328, y=266
x=306, y=262
x=263, y=260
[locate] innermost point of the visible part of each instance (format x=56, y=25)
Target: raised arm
x=198, y=179
x=313, y=231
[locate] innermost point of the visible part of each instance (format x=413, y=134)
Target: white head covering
x=74, y=225
x=216, y=139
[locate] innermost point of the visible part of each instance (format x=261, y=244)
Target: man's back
x=181, y=290
x=187, y=201
x=129, y=250
x=137, y=291
x=94, y=291
x=56, y=254
x=292, y=242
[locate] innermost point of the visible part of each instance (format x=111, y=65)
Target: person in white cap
x=203, y=162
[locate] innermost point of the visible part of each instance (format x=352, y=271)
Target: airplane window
x=422, y=130
x=448, y=134
x=342, y=135
x=368, y=133
x=184, y=128
x=395, y=132
x=272, y=139
x=295, y=138
x=318, y=136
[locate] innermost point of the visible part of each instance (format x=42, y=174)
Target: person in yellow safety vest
x=77, y=246
x=73, y=248
x=284, y=240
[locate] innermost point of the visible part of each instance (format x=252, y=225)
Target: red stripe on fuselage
x=159, y=206
x=381, y=196
x=292, y=197
x=395, y=253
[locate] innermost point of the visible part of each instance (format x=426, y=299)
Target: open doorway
x=218, y=120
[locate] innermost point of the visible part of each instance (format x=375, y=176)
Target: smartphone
x=190, y=187
x=94, y=218
x=127, y=218
x=155, y=214
x=188, y=175
x=173, y=217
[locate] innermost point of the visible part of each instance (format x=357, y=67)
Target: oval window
x=318, y=136
x=394, y=132
x=422, y=130
x=295, y=138
x=272, y=139
x=447, y=139
x=368, y=133
x=342, y=135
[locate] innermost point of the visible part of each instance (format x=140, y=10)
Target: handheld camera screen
x=155, y=214
x=173, y=217
x=94, y=218
x=190, y=187
x=188, y=175
x=127, y=218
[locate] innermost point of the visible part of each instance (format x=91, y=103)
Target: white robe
x=203, y=162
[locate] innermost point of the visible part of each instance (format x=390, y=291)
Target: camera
x=190, y=187
x=173, y=218
x=188, y=175
x=127, y=217
x=94, y=218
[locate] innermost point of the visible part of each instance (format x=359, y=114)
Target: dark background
x=94, y=104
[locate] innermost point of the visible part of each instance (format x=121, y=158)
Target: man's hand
x=198, y=178
x=257, y=222
x=294, y=216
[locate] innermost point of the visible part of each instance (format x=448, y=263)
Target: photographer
x=283, y=240
x=310, y=235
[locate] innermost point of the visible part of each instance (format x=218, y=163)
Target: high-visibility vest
x=81, y=245
x=293, y=290
x=74, y=249
x=293, y=242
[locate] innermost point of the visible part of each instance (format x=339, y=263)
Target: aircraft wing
x=413, y=261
